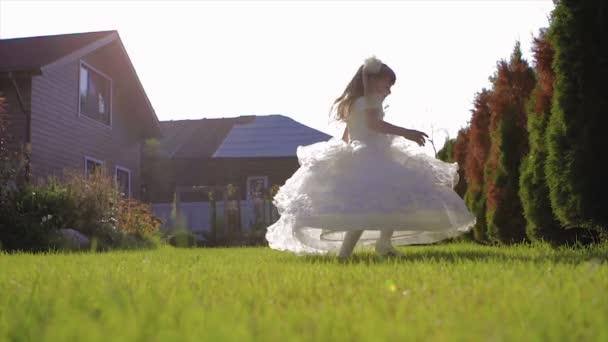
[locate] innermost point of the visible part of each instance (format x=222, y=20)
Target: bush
x=135, y=218
x=30, y=219
x=105, y=216
x=182, y=238
x=33, y=214
x=97, y=200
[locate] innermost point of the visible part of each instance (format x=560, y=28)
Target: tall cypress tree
x=460, y=156
x=513, y=84
x=541, y=224
x=454, y=150
x=477, y=154
x=576, y=137
x=446, y=153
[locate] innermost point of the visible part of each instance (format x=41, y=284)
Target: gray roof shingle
x=268, y=136
x=238, y=137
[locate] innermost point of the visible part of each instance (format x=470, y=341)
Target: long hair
x=356, y=88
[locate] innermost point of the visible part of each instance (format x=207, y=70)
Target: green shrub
x=182, y=238
x=136, y=219
x=33, y=214
x=30, y=218
x=97, y=200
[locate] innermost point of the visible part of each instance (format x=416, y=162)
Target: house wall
x=231, y=171
x=14, y=117
x=61, y=138
x=236, y=170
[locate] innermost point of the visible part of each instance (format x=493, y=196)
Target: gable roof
x=194, y=138
x=268, y=136
x=32, y=53
x=238, y=137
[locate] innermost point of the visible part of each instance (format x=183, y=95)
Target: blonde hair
x=356, y=88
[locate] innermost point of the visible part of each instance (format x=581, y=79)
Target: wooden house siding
x=236, y=170
x=14, y=116
x=61, y=138
x=221, y=172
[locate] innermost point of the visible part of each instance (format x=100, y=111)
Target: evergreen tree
x=477, y=154
x=513, y=83
x=541, y=224
x=446, y=153
x=576, y=134
x=460, y=156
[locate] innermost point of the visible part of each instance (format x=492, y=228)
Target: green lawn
x=459, y=292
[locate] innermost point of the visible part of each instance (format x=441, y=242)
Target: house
x=76, y=101
x=252, y=153
x=247, y=151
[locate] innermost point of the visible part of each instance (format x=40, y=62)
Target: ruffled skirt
x=371, y=186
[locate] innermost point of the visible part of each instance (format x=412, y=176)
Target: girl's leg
x=350, y=240
x=384, y=246
x=385, y=238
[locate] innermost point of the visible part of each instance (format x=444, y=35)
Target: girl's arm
x=345, y=135
x=376, y=124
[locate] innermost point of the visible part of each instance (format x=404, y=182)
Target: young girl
x=370, y=187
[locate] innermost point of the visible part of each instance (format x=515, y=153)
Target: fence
x=197, y=215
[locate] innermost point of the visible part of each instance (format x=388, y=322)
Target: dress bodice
x=357, y=122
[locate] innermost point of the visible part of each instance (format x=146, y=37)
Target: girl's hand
x=415, y=136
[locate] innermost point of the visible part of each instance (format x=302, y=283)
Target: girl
x=369, y=187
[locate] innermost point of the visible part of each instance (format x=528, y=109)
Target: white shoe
x=388, y=250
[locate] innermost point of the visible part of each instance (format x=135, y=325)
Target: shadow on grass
x=483, y=254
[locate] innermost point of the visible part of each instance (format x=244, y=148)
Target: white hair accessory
x=372, y=65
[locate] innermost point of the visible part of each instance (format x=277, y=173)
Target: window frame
x=87, y=159
x=253, y=178
x=111, y=95
x=128, y=171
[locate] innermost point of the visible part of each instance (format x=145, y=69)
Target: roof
x=239, y=137
x=32, y=53
x=268, y=136
x=194, y=138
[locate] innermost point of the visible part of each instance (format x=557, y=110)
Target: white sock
x=385, y=238
x=384, y=245
x=350, y=240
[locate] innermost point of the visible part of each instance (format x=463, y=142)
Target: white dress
x=375, y=182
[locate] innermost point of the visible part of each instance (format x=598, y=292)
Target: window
x=256, y=186
x=95, y=95
x=122, y=178
x=92, y=165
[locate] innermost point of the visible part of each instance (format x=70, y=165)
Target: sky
x=208, y=59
